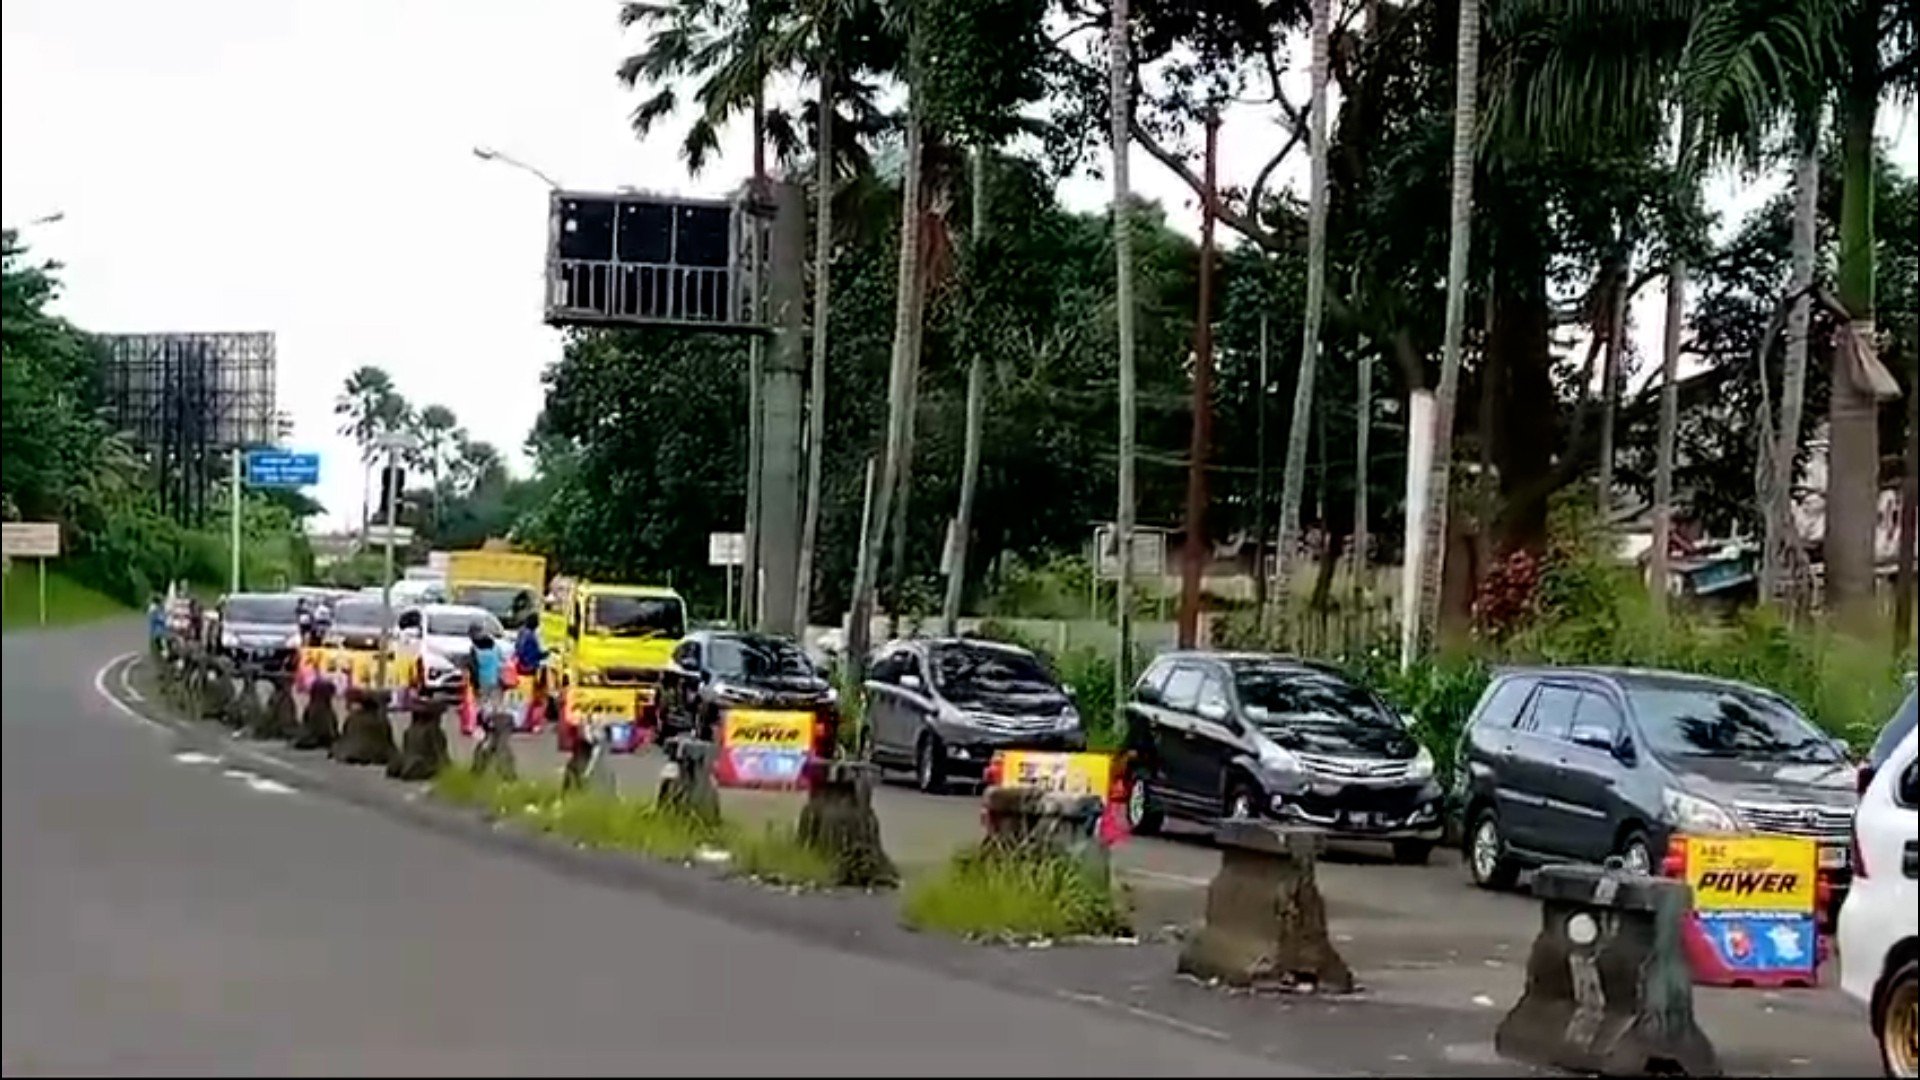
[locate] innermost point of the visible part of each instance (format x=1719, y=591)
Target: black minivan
x=1582, y=764
x=1214, y=735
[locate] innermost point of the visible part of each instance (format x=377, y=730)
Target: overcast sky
x=306, y=167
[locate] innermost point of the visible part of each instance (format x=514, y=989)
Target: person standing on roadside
x=156, y=625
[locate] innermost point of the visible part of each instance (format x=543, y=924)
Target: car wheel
x=1412, y=852
x=1487, y=858
x=1143, y=817
x=1635, y=855
x=930, y=765
x=1898, y=1021
x=1241, y=804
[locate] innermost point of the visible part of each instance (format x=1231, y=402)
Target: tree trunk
x=1434, y=523
x=1362, y=458
x=1906, y=585
x=1294, y=472
x=906, y=314
x=1121, y=115
x=1777, y=515
x=817, y=419
x=1199, y=551
x=1853, y=466
x=903, y=506
x=1616, y=347
x=1260, y=488
x=976, y=394
x=1659, y=558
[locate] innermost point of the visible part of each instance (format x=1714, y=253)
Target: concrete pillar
x=780, y=398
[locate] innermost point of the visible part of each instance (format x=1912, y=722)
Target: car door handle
x=1910, y=859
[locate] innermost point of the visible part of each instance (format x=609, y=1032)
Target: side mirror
x=1593, y=737
x=1213, y=711
x=1146, y=694
x=910, y=681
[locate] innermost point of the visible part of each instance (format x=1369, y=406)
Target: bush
x=1013, y=895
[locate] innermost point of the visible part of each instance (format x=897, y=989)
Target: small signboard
x=1149, y=552
x=30, y=539
x=764, y=748
x=726, y=549
x=1057, y=773
x=282, y=468
x=1754, y=900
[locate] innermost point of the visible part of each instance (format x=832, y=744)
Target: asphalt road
x=171, y=916
x=178, y=902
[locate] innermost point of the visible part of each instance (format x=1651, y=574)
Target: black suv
x=1579, y=764
x=1243, y=735
x=717, y=670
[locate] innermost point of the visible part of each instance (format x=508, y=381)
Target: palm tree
x=1121, y=117
x=1294, y=472
x=369, y=407
x=436, y=435
x=1782, y=537
x=1434, y=518
x=976, y=405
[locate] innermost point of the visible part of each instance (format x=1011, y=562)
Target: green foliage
x=639, y=826
x=1002, y=894
x=68, y=601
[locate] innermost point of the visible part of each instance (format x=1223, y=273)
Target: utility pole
x=1122, y=117
x=233, y=496
x=1260, y=488
x=394, y=443
x=1198, y=550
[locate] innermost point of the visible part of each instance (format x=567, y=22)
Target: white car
x=444, y=632
x=1879, y=947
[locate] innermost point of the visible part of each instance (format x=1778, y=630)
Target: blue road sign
x=282, y=468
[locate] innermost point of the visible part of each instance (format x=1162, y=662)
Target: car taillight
x=1674, y=865
x=1856, y=858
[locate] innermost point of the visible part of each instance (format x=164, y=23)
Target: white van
x=1879, y=946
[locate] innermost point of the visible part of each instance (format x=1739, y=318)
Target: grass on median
x=68, y=601
x=1013, y=895
x=642, y=827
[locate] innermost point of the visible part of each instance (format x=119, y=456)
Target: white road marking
x=1174, y=1022
x=1158, y=875
x=266, y=786
x=100, y=687
x=195, y=757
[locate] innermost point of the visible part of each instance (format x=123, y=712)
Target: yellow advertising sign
x=1753, y=873
x=766, y=729
x=360, y=667
x=1058, y=773
x=602, y=704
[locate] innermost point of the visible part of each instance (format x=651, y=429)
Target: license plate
x=1835, y=858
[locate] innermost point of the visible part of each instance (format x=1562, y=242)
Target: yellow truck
x=499, y=581
x=614, y=645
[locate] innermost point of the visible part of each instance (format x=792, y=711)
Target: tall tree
x=1459, y=234
x=1294, y=472
x=437, y=434
x=369, y=407
x=956, y=558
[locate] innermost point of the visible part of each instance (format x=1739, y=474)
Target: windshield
x=636, y=616
x=971, y=672
x=357, y=612
x=273, y=610
x=1726, y=722
x=1289, y=697
x=499, y=600
x=758, y=659
x=1896, y=729
x=460, y=623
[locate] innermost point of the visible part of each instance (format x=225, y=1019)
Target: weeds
x=1013, y=895
x=641, y=827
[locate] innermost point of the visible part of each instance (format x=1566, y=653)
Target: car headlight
x=293, y=641
x=831, y=697
x=1276, y=759
x=1422, y=766
x=589, y=677
x=737, y=695
x=1692, y=814
x=1068, y=719
x=228, y=640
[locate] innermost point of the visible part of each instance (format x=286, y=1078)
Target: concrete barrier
x=366, y=738
x=839, y=822
x=586, y=768
x=1266, y=924
x=686, y=783
x=283, y=716
x=1608, y=987
x=423, y=747
x=319, y=720
x=1029, y=818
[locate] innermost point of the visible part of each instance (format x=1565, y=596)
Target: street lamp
x=488, y=153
